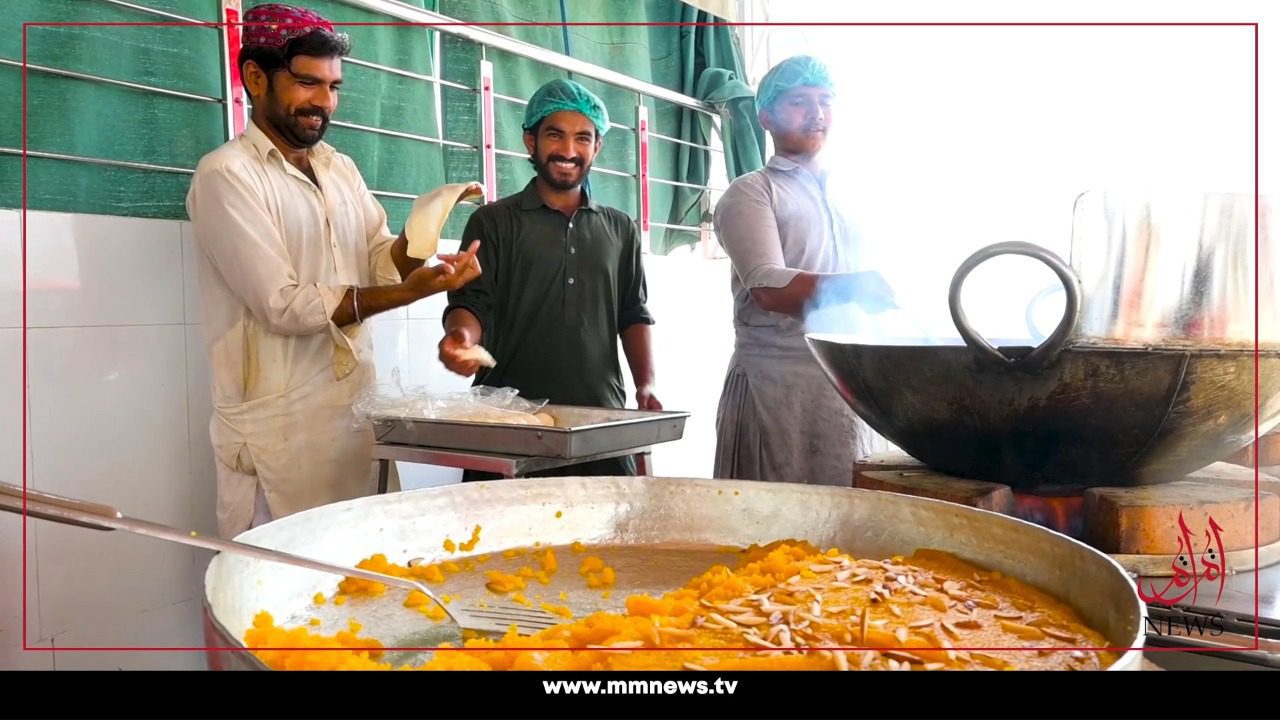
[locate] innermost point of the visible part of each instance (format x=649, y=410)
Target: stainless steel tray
x=579, y=432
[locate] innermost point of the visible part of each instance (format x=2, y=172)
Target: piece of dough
x=546, y=419
x=479, y=354
x=429, y=213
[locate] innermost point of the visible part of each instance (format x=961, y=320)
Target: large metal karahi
x=660, y=532
x=1150, y=374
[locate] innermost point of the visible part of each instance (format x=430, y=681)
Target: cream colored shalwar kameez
x=275, y=256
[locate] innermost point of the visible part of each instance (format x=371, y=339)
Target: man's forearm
x=808, y=291
x=371, y=301
x=464, y=318
x=638, y=348
x=792, y=299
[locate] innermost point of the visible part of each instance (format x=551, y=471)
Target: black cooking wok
x=1066, y=412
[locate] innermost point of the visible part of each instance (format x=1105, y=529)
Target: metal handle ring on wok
x=1045, y=352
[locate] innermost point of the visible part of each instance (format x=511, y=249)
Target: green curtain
x=81, y=117
x=712, y=72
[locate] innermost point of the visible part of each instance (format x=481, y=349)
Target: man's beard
x=292, y=129
x=545, y=172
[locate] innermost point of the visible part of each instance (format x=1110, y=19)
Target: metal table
x=508, y=466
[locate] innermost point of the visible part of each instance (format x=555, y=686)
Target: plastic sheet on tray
x=392, y=401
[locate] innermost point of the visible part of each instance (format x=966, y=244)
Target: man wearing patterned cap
x=294, y=254
x=563, y=278
x=792, y=251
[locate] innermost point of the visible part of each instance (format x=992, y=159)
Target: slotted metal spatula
x=69, y=511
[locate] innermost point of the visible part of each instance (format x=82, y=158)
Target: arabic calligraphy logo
x=1187, y=571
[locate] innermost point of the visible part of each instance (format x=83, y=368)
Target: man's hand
x=645, y=399
x=453, y=272
x=451, y=345
x=875, y=295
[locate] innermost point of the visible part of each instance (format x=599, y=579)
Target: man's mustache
x=561, y=158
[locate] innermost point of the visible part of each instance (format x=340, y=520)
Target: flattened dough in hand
x=479, y=354
x=429, y=213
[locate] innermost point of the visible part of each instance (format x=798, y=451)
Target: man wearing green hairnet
x=563, y=279
x=793, y=253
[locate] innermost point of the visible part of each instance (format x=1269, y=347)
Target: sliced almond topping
x=1023, y=631
x=721, y=620
x=1060, y=635
x=754, y=640
x=842, y=663
x=693, y=666
x=904, y=656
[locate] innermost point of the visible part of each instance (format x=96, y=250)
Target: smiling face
x=799, y=120
x=297, y=102
x=562, y=148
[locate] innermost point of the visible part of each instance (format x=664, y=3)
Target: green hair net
x=792, y=72
x=560, y=95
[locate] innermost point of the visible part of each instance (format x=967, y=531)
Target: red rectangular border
x=1256, y=174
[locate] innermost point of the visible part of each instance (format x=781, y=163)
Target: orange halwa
x=786, y=605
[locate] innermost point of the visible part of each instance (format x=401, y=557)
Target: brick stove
x=1147, y=530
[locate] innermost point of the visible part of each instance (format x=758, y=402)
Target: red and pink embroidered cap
x=274, y=24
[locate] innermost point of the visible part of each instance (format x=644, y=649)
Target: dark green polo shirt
x=553, y=296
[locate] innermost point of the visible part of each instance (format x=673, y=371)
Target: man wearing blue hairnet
x=563, y=279
x=792, y=251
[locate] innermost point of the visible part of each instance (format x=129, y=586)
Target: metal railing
x=235, y=109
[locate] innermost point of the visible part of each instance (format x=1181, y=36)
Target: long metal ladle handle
x=70, y=511
x=1045, y=352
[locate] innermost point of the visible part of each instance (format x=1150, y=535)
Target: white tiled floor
x=10, y=524
x=10, y=269
x=177, y=625
x=109, y=424
x=11, y=611
x=429, y=307
x=203, y=477
x=99, y=270
x=11, y=404
x=390, y=348
x=190, y=277
x=109, y=416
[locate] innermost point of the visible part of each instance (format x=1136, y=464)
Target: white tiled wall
x=118, y=411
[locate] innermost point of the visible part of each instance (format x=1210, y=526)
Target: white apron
x=301, y=448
